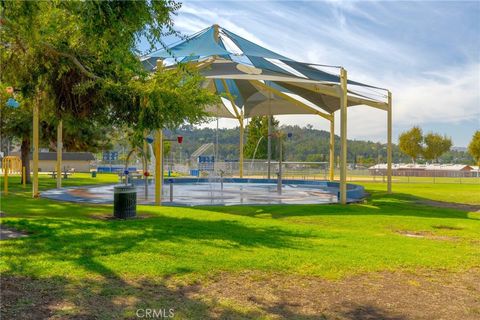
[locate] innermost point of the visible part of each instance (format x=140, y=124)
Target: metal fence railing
x=316, y=171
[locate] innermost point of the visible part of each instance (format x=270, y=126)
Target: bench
x=65, y=174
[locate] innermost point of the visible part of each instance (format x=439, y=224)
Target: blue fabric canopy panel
x=205, y=44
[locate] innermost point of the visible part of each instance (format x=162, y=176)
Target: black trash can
x=94, y=174
x=124, y=201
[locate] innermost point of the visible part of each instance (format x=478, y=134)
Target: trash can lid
x=124, y=188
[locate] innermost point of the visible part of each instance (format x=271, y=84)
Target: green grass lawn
x=76, y=243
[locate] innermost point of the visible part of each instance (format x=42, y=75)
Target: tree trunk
x=25, y=154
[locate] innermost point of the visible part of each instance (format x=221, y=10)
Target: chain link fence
x=311, y=171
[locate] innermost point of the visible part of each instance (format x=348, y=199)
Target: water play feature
x=219, y=191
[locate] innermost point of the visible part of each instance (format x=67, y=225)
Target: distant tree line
x=430, y=146
x=434, y=147
x=306, y=144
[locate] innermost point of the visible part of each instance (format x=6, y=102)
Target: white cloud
x=193, y=18
x=451, y=97
x=424, y=90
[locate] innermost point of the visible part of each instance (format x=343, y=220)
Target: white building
x=426, y=170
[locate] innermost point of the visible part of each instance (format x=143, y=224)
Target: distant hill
x=306, y=144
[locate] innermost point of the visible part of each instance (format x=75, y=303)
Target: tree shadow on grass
x=108, y=294
x=79, y=240
x=23, y=205
x=104, y=294
x=353, y=311
x=110, y=297
x=379, y=203
x=344, y=311
x=106, y=298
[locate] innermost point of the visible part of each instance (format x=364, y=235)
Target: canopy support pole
x=242, y=129
x=240, y=117
x=59, y=153
x=36, y=112
x=343, y=136
x=145, y=165
x=389, y=143
x=269, y=146
x=332, y=148
x=158, y=167
x=216, y=145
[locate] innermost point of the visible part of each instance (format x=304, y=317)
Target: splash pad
x=229, y=191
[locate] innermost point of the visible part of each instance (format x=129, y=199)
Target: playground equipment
x=146, y=174
x=11, y=164
x=204, y=161
x=157, y=157
x=201, y=150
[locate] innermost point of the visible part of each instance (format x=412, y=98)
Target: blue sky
x=427, y=53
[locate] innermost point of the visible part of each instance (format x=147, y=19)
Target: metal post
x=5, y=180
x=279, y=181
x=36, y=106
x=59, y=153
x=145, y=146
x=171, y=190
x=215, y=32
x=242, y=129
x=343, y=136
x=221, y=180
x=158, y=167
x=162, y=170
x=269, y=146
x=216, y=146
x=332, y=148
x=145, y=162
x=389, y=143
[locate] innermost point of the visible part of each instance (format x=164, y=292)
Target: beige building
x=71, y=161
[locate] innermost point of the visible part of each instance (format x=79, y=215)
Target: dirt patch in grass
x=451, y=205
x=26, y=298
x=385, y=295
x=7, y=233
x=426, y=235
x=250, y=295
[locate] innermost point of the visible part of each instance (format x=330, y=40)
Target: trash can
x=94, y=174
x=124, y=201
